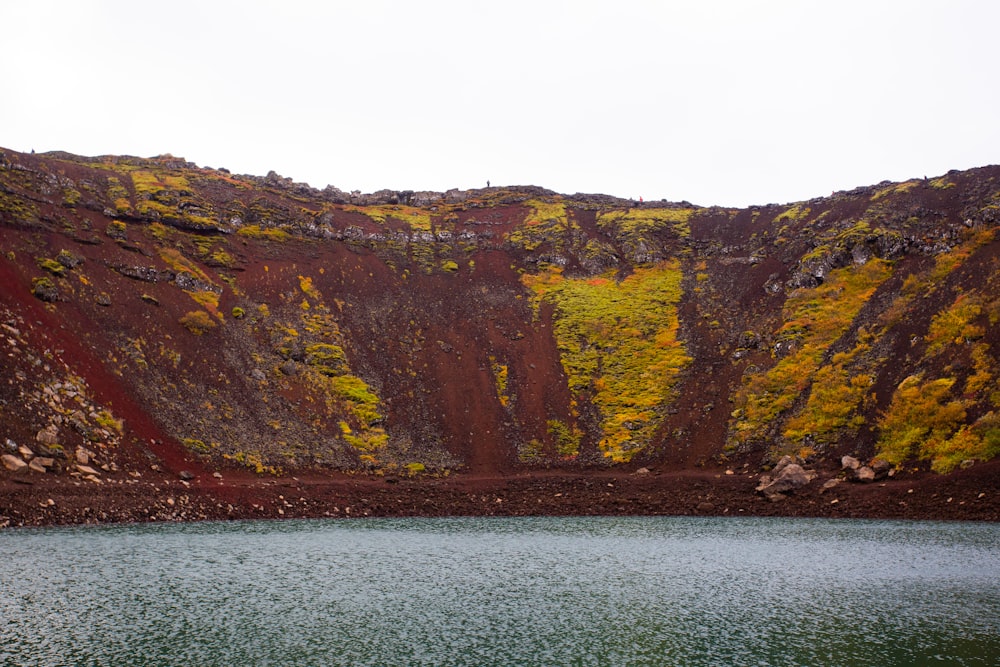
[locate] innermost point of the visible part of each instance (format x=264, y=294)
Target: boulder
x=48, y=435
x=13, y=463
x=849, y=463
x=881, y=467
x=45, y=290
x=41, y=464
x=792, y=476
x=830, y=483
x=782, y=463
x=86, y=470
x=864, y=474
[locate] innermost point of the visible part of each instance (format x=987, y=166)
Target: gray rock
x=45, y=290
x=68, y=259
x=830, y=483
x=864, y=474
x=148, y=274
x=13, y=463
x=191, y=283
x=48, y=435
x=791, y=477
x=782, y=463
x=186, y=475
x=881, y=467
x=41, y=464
x=849, y=463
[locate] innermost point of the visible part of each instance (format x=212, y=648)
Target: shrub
x=108, y=421
x=326, y=358
x=307, y=287
x=198, y=322
x=68, y=259
x=50, y=265
x=44, y=289
x=815, y=318
x=955, y=324
x=980, y=441
x=528, y=452
x=117, y=230
x=921, y=420
x=196, y=446
x=567, y=439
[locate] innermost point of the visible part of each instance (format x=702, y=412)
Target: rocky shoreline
x=33, y=499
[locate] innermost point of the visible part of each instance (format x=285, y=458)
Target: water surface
x=503, y=591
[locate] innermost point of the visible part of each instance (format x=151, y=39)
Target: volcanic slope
x=158, y=313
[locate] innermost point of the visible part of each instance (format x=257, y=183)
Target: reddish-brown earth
x=965, y=495
x=426, y=340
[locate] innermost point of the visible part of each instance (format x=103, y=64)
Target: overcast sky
x=715, y=102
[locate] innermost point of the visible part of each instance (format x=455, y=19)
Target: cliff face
x=157, y=312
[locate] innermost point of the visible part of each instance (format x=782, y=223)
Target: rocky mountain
x=157, y=313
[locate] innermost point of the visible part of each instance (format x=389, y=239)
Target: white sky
x=715, y=102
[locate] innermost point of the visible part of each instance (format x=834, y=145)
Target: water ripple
x=536, y=591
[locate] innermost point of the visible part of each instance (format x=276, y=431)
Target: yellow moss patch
x=925, y=420
x=618, y=344
x=198, y=322
x=265, y=233
x=643, y=221
x=417, y=218
x=814, y=319
x=306, y=285
x=500, y=372
x=544, y=211
x=955, y=325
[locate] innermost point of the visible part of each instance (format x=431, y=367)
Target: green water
x=538, y=591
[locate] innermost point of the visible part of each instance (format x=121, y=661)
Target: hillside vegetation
x=258, y=322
